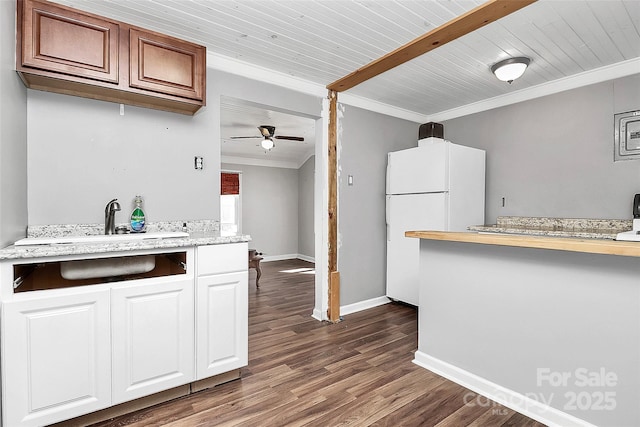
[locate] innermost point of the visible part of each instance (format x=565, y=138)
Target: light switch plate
x=627, y=136
x=198, y=162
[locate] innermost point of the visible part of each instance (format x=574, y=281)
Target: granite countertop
x=557, y=227
x=200, y=233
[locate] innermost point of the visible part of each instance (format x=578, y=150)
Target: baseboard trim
x=306, y=258
x=317, y=314
x=215, y=381
x=149, y=401
x=284, y=257
x=532, y=408
x=363, y=305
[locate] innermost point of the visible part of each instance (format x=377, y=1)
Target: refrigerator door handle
x=388, y=179
x=386, y=217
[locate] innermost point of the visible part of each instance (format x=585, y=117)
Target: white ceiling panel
x=321, y=41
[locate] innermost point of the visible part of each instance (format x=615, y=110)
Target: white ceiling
x=320, y=41
x=240, y=118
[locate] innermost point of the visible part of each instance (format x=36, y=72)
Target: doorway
x=279, y=192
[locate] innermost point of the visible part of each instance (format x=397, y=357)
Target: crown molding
x=379, y=107
x=266, y=75
x=598, y=75
x=310, y=153
x=250, y=161
x=254, y=72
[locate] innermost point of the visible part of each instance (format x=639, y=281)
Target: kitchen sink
x=101, y=238
x=106, y=267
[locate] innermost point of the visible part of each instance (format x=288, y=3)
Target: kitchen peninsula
x=548, y=326
x=170, y=318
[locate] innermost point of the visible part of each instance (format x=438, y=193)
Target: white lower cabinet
x=56, y=358
x=222, y=323
x=222, y=309
x=66, y=352
x=152, y=333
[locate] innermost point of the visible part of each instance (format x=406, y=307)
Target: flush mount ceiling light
x=267, y=143
x=510, y=69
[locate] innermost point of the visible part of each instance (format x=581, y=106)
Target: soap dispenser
x=137, y=217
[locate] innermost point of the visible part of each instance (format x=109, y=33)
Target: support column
x=333, y=312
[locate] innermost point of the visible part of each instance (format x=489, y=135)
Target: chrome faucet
x=110, y=216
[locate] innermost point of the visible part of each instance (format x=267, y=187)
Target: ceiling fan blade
x=245, y=137
x=292, y=138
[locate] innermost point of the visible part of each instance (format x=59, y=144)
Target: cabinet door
x=64, y=41
x=222, y=323
x=56, y=360
x=166, y=65
x=218, y=259
x=152, y=333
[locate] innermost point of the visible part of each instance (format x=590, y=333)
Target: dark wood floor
x=307, y=373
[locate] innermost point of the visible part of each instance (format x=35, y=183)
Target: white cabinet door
x=152, y=333
x=217, y=259
x=56, y=360
x=221, y=323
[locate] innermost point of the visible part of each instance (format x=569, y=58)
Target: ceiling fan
x=268, y=133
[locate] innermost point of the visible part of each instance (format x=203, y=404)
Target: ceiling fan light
x=267, y=143
x=510, y=69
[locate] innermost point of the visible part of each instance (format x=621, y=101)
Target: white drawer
x=215, y=259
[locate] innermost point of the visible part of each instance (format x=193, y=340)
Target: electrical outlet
x=198, y=162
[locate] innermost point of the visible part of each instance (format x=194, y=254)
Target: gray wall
x=365, y=140
x=13, y=134
x=553, y=156
x=269, y=208
x=511, y=311
x=306, y=235
x=82, y=153
x=277, y=208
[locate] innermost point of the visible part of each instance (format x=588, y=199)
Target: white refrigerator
x=435, y=186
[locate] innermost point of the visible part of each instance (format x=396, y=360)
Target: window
x=230, y=213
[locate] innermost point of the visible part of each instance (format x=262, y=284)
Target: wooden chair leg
x=254, y=262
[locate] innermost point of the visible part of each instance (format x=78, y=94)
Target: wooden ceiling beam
x=476, y=18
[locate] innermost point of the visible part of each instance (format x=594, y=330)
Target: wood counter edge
x=593, y=246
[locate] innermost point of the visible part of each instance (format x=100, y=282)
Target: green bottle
x=137, y=216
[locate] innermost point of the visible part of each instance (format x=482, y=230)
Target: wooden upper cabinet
x=68, y=42
x=165, y=64
x=64, y=50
